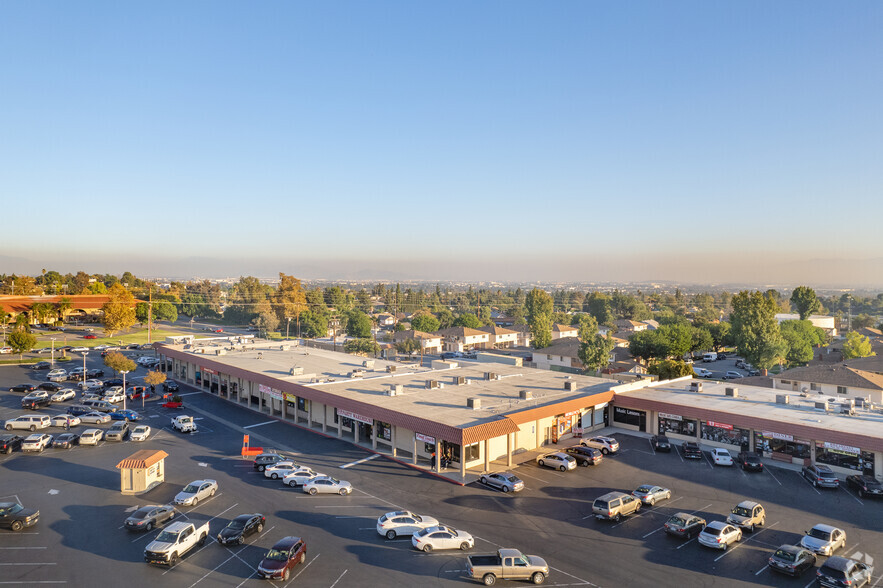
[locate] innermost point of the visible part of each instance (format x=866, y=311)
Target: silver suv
x=29, y=422
x=615, y=505
x=747, y=515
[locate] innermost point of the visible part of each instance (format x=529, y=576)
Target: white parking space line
x=686, y=543
x=34, y=582
x=222, y=512
x=189, y=394
x=208, y=573
x=209, y=541
x=259, y=424
x=744, y=541
x=381, y=500
x=877, y=582
x=767, y=470
x=708, y=461
x=854, y=496
x=679, y=454
x=644, y=510
x=650, y=441
x=303, y=569
x=358, y=461
x=522, y=473
x=36, y=563
x=487, y=541
x=762, y=570
x=338, y=579
x=585, y=582
x=808, y=482
x=23, y=548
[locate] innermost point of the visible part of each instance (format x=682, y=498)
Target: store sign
x=671, y=417
x=205, y=370
x=720, y=425
x=782, y=436
x=842, y=448
x=572, y=413
x=629, y=411
x=600, y=406
x=425, y=438
x=289, y=397
x=356, y=417
x=271, y=392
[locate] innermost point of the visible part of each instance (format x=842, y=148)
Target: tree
x=678, y=339
x=720, y=335
x=290, y=298
x=154, y=379
x=539, y=317
x=424, y=321
x=468, y=320
x=363, y=301
x=97, y=288
x=594, y=352
x=41, y=311
x=119, y=362
x=21, y=341
x=266, y=319
x=598, y=305
x=669, y=369
x=363, y=346
x=701, y=339
x=756, y=330
x=119, y=310
x=62, y=307
x=805, y=301
x=358, y=324
x=863, y=320
x=800, y=336
x=645, y=345
x=313, y=324
x=409, y=346
x=857, y=345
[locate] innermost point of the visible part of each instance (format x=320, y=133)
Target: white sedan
x=721, y=457
x=114, y=398
x=280, y=469
x=328, y=485
x=301, y=477
x=79, y=348
x=140, y=433
x=196, y=491
x=442, y=537
x=557, y=460
x=403, y=522
x=65, y=394
x=91, y=385
x=95, y=418
x=57, y=373
x=61, y=420
x=719, y=535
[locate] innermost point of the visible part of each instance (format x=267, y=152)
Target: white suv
x=36, y=442
x=29, y=422
x=605, y=444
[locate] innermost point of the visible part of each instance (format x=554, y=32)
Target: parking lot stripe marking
x=23, y=548
x=487, y=541
x=382, y=500
x=222, y=512
x=767, y=470
x=267, y=531
x=802, y=477
x=744, y=541
x=206, y=575
x=367, y=528
x=338, y=579
x=761, y=570
x=303, y=569
x=572, y=576
x=534, y=477
x=679, y=454
x=877, y=582
x=143, y=536
x=36, y=563
x=181, y=561
x=811, y=583
x=854, y=496
x=260, y=424
x=357, y=462
x=686, y=543
x=247, y=579
x=189, y=393
x=36, y=582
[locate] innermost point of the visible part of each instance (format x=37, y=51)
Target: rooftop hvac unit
x=368, y=363
x=459, y=380
x=734, y=392
x=395, y=390
x=695, y=387
x=491, y=376
x=296, y=371
x=284, y=347
x=430, y=384
x=357, y=373
x=390, y=369
x=220, y=352
x=847, y=409
x=823, y=405
x=568, y=385
x=525, y=394
x=783, y=399
x=473, y=403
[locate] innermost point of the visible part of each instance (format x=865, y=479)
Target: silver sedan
x=650, y=495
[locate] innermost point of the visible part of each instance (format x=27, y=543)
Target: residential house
x=463, y=338
x=651, y=324
x=621, y=361
x=562, y=355
x=837, y=381
x=629, y=326
x=386, y=320
x=522, y=334
x=564, y=331
x=429, y=342
x=822, y=321
x=501, y=338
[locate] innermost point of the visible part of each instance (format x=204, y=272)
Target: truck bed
x=485, y=560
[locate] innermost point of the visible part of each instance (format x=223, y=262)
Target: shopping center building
x=477, y=412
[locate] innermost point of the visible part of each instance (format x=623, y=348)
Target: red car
x=90, y=336
x=219, y=330
x=279, y=561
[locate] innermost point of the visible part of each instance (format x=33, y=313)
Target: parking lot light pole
x=85, y=353
x=124, y=372
x=52, y=360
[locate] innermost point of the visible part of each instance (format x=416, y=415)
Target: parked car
x=702, y=372
x=557, y=460
x=660, y=443
x=721, y=456
x=615, y=505
x=505, y=481
x=328, y=485
x=747, y=515
x=65, y=420
x=64, y=395
x=442, y=537
x=124, y=414
x=720, y=535
x=266, y=459
x=79, y=409
x=16, y=517
x=650, y=495
x=28, y=422
x=507, y=564
x=57, y=373
x=170, y=386
x=692, y=450
x=90, y=336
x=8, y=443
x=42, y=365
x=684, y=525
x=95, y=373
x=584, y=456
x=65, y=441
x=821, y=475
x=140, y=433
x=282, y=557
x=136, y=392
x=91, y=436
x=91, y=385
x=403, y=522
x=196, y=491
x=280, y=469
x=79, y=348
x=241, y=527
x=36, y=442
x=604, y=444
x=175, y=541
x=301, y=476
x=733, y=375
x=824, y=539
x=749, y=461
x=36, y=399
x=792, y=560
x=839, y=572
x=119, y=431
x=23, y=388
x=866, y=486
x=113, y=397
x=95, y=418
x=150, y=516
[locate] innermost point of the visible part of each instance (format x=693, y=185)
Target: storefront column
x=462, y=465
x=537, y=427
x=355, y=431
x=414, y=453
x=509, y=450
x=437, y=464
x=324, y=418
x=374, y=436
x=309, y=414
x=284, y=407
x=487, y=457
x=392, y=434
x=248, y=394
x=339, y=426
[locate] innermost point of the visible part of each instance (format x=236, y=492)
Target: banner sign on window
x=354, y=416
x=782, y=436
x=671, y=417
x=843, y=448
x=425, y=438
x=720, y=425
x=205, y=370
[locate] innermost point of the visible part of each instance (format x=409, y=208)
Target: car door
x=325, y=486
x=203, y=491
x=406, y=525
x=628, y=504
x=444, y=540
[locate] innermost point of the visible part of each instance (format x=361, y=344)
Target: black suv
x=23, y=388
x=35, y=402
x=750, y=461
x=692, y=450
x=42, y=365
x=170, y=386
x=50, y=386
x=95, y=373
x=266, y=459
x=660, y=443
x=584, y=456
x=865, y=486
x=9, y=442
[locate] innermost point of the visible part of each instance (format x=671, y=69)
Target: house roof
x=495, y=330
x=867, y=364
x=651, y=323
x=459, y=332
x=629, y=323
x=835, y=375
x=565, y=347
x=19, y=304
x=412, y=334
x=143, y=459
x=870, y=332
x=559, y=328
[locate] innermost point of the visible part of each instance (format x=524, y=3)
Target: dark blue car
x=124, y=414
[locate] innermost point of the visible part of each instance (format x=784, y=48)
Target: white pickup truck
x=174, y=541
x=184, y=423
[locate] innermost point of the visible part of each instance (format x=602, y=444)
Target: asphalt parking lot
x=79, y=538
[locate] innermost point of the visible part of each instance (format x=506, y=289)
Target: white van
x=91, y=436
x=709, y=357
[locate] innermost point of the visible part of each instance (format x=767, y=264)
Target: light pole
x=52, y=360
x=124, y=372
x=287, y=326
x=85, y=353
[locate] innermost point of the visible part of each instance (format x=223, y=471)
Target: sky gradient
x=499, y=140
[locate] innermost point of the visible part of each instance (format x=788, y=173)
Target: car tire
x=8, y=427
x=195, y=501
x=505, y=488
x=33, y=428
x=16, y=526
x=292, y=483
x=652, y=502
x=173, y=560
x=605, y=451
x=638, y=507
x=815, y=484
x=427, y=548
x=617, y=517
x=148, y=527
x=464, y=546
x=391, y=534
x=751, y=528
x=489, y=579
x=303, y=557
x=483, y=480
x=538, y=577
x=313, y=491
x=274, y=476
x=286, y=574
x=343, y=492
x=541, y=462
x=668, y=495
x=260, y=527
x=585, y=464
x=202, y=540
x=240, y=540
x=861, y=493
x=562, y=468
x=261, y=468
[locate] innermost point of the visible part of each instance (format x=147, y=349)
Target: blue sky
x=506, y=140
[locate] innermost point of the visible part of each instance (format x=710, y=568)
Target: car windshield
x=140, y=429
x=167, y=537
x=713, y=530
x=677, y=521
x=276, y=555
x=236, y=524
x=742, y=511
x=14, y=509
x=191, y=489
x=820, y=534
x=827, y=474
x=785, y=555
x=644, y=489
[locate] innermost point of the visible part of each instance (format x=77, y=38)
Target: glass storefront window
x=669, y=424
x=724, y=433
x=472, y=452
x=784, y=444
x=628, y=416
x=851, y=458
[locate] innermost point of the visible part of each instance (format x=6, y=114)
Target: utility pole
x=149, y=312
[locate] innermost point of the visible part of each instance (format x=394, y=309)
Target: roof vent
x=695, y=387
x=734, y=392
x=473, y=403
x=783, y=399
x=823, y=405
x=525, y=394
x=284, y=347
x=296, y=371
x=357, y=373
x=368, y=363
x=459, y=380
x=430, y=384
x=568, y=385
x=395, y=390
x=390, y=369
